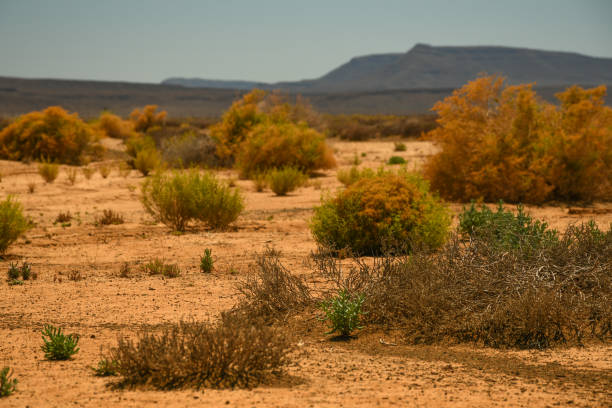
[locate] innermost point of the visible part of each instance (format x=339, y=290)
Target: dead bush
x=270, y=291
x=109, y=217
x=233, y=353
x=477, y=291
x=363, y=127
x=190, y=149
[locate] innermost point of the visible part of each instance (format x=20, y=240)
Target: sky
x=272, y=40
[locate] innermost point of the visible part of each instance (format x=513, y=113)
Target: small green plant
x=106, y=368
x=504, y=228
x=7, y=385
x=399, y=147
x=13, y=272
x=396, y=160
x=58, y=346
x=147, y=160
x=48, y=171
x=343, y=312
x=12, y=222
x=159, y=267
x=286, y=180
x=26, y=271
x=206, y=261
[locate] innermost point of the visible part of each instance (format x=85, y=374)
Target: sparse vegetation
x=63, y=217
x=158, y=267
x=113, y=126
x=71, y=175
x=58, y=346
x=190, y=149
x=12, y=222
x=374, y=212
x=348, y=177
x=260, y=181
x=48, y=171
x=147, y=160
x=396, y=160
x=106, y=368
x=8, y=385
x=177, y=198
x=88, y=172
x=104, y=170
x=233, y=353
x=109, y=217
x=343, y=312
x=52, y=134
x=286, y=180
x=399, y=147
x=363, y=127
x=148, y=118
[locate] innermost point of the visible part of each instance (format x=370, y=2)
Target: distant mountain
x=212, y=83
x=429, y=67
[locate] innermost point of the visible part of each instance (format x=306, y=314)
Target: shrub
x=343, y=312
x=13, y=272
x=348, y=177
x=52, y=134
x=260, y=181
x=147, y=118
x=58, y=346
x=63, y=217
x=206, y=261
x=286, y=180
x=88, y=172
x=190, y=149
x=26, y=271
x=399, y=147
x=106, y=368
x=48, y=171
x=138, y=143
x=233, y=353
x=388, y=209
x=159, y=267
x=115, y=127
x=71, y=174
x=109, y=217
x=396, y=160
x=490, y=134
x=104, y=170
x=363, y=127
x=12, y=222
x=477, y=291
x=8, y=385
x=147, y=160
x=504, y=228
x=274, y=145
x=176, y=198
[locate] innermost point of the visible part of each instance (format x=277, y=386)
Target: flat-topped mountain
x=429, y=67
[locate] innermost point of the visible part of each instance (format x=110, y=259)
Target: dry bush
x=274, y=145
x=364, y=127
x=490, y=134
x=53, y=135
x=190, y=149
x=270, y=291
x=12, y=222
x=477, y=291
x=177, y=198
x=233, y=353
x=109, y=217
x=159, y=267
x=88, y=172
x=113, y=126
x=376, y=211
x=147, y=118
x=71, y=175
x=63, y=217
x=104, y=170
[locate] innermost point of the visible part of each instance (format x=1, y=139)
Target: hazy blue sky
x=272, y=40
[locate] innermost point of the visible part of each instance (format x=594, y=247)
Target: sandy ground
x=363, y=372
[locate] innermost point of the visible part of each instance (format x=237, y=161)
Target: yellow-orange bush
x=262, y=131
x=272, y=145
x=147, y=118
x=113, y=126
x=501, y=142
x=52, y=135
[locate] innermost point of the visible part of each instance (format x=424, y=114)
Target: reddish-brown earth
x=363, y=372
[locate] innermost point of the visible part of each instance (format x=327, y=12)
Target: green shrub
x=343, y=312
x=12, y=223
x=7, y=385
x=113, y=126
x=396, y=160
x=348, y=177
x=286, y=180
x=206, y=261
x=159, y=267
x=399, y=147
x=505, y=228
x=235, y=352
x=26, y=271
x=147, y=160
x=260, y=180
x=53, y=135
x=58, y=346
x=48, y=171
x=176, y=198
x=138, y=143
x=386, y=210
